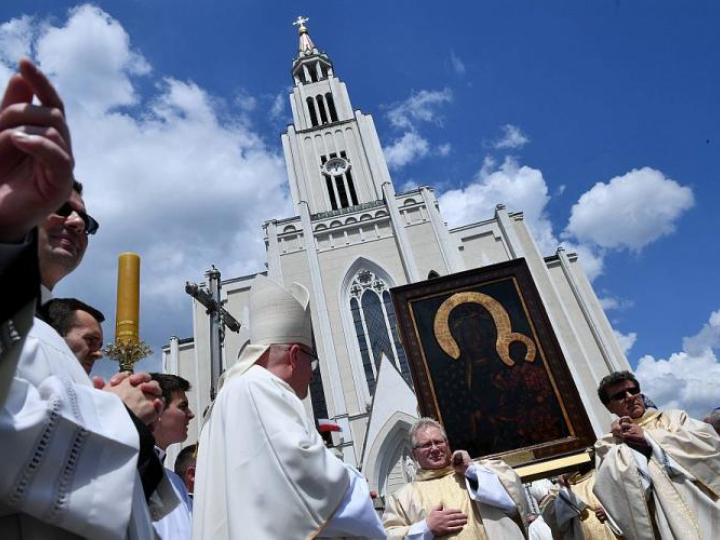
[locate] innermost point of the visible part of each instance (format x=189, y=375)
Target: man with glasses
x=263, y=471
x=452, y=495
x=658, y=472
x=63, y=239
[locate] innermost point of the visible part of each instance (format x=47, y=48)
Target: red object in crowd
x=325, y=425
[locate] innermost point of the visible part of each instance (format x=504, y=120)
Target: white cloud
x=16, y=38
x=707, y=338
x=418, y=108
x=511, y=138
x=457, y=64
x=408, y=185
x=179, y=177
x=626, y=341
x=610, y=303
x=91, y=61
x=520, y=188
x=630, y=211
x=245, y=101
x=688, y=379
x=591, y=260
x=407, y=148
x=277, y=109
x=408, y=115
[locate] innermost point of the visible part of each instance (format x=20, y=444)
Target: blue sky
x=598, y=119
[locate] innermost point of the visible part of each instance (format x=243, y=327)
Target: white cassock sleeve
x=69, y=452
x=487, y=489
x=419, y=531
x=356, y=516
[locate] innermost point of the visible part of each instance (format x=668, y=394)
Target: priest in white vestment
x=454, y=497
x=658, y=472
x=263, y=471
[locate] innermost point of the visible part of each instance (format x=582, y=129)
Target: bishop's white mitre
x=277, y=315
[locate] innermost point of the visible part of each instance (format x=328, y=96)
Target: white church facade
x=351, y=240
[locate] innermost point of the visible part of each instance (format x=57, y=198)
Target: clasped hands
x=628, y=431
x=138, y=392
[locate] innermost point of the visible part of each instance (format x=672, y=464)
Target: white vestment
x=69, y=452
x=676, y=491
x=263, y=471
x=177, y=525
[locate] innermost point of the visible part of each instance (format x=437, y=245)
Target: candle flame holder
x=127, y=353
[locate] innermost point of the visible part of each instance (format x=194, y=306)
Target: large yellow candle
x=127, y=318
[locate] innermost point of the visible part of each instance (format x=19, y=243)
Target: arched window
x=375, y=325
x=311, y=109
x=331, y=105
x=321, y=109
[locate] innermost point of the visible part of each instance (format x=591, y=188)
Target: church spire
x=306, y=45
x=310, y=65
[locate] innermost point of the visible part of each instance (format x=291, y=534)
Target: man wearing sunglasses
x=658, y=472
x=63, y=239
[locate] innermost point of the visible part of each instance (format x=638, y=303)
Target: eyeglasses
x=314, y=358
x=91, y=224
x=429, y=444
x=634, y=391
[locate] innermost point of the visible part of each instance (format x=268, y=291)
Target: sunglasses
x=621, y=395
x=91, y=224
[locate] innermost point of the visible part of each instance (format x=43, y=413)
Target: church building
x=351, y=239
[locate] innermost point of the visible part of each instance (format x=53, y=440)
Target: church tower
x=351, y=239
x=333, y=154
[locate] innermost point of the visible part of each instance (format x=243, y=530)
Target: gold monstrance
x=128, y=348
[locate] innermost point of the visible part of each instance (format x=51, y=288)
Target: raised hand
x=461, y=461
x=36, y=160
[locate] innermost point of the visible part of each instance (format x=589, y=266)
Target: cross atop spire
x=300, y=21
x=306, y=44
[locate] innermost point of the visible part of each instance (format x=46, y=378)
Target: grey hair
x=713, y=418
x=422, y=424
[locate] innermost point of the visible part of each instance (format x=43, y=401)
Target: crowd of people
x=84, y=458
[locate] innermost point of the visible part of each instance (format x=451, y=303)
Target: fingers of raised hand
x=40, y=84
x=20, y=115
x=18, y=90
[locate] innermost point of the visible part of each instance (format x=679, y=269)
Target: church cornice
x=324, y=126
x=348, y=210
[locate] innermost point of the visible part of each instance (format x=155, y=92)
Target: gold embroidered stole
x=443, y=485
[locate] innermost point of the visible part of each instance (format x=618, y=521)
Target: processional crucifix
x=219, y=318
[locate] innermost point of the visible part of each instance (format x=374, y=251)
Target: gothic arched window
x=375, y=325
